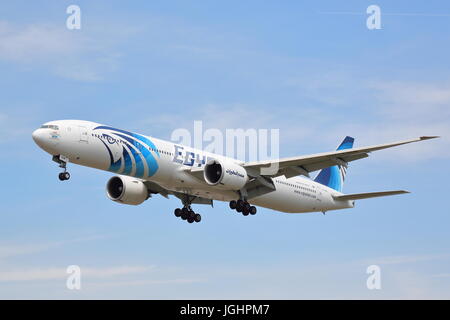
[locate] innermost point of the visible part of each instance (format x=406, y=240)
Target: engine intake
x=126, y=190
x=225, y=175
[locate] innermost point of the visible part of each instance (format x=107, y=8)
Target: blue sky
x=311, y=69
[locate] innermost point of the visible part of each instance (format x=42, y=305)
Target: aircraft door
x=84, y=136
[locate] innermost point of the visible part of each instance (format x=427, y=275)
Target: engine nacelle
x=225, y=175
x=126, y=190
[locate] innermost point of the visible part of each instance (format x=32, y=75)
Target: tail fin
x=334, y=176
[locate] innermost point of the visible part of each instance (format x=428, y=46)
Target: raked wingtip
x=429, y=137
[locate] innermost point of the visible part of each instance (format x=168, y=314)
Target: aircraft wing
x=303, y=165
x=155, y=188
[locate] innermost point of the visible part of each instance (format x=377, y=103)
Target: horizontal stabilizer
x=359, y=196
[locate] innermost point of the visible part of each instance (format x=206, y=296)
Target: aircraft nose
x=35, y=135
x=38, y=137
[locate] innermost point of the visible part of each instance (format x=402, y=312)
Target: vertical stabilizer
x=334, y=176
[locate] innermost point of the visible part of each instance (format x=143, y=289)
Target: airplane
x=146, y=165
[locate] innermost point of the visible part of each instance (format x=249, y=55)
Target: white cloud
x=75, y=55
x=406, y=259
x=33, y=43
x=8, y=250
x=147, y=282
x=402, y=277
x=441, y=275
x=13, y=127
x=34, y=274
x=114, y=271
x=373, y=112
x=11, y=250
x=412, y=100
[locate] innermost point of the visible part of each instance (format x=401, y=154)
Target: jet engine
x=126, y=190
x=225, y=175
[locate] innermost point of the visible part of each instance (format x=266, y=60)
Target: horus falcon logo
x=130, y=153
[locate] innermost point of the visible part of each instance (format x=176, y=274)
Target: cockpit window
x=50, y=126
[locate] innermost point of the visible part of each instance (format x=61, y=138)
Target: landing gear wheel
x=190, y=220
x=197, y=217
x=64, y=176
x=246, y=209
x=177, y=212
x=233, y=204
x=252, y=210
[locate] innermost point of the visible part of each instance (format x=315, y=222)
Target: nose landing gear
x=62, y=161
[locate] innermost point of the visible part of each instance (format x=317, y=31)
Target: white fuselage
x=165, y=163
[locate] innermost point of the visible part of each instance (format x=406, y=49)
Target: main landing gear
x=62, y=164
x=186, y=213
x=243, y=206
